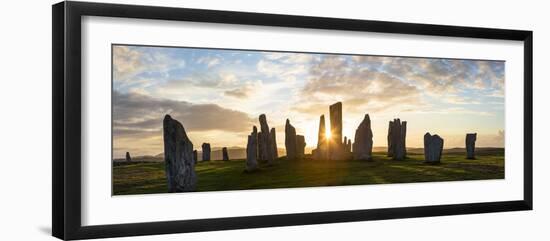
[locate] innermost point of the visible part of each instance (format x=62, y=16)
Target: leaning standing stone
x=224, y=154
x=252, y=151
x=195, y=156
x=433, y=147
x=178, y=157
x=205, y=151
x=471, y=145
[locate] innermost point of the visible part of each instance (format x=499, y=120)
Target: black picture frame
x=66, y=127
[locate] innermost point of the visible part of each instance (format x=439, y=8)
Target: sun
x=327, y=134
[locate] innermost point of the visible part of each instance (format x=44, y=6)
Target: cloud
x=245, y=90
x=130, y=62
x=398, y=84
x=289, y=58
x=435, y=75
x=335, y=78
x=209, y=61
x=137, y=114
x=126, y=61
x=282, y=68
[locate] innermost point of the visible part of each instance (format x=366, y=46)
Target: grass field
x=149, y=177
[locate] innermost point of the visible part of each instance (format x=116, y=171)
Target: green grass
x=147, y=177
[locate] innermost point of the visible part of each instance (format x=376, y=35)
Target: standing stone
x=347, y=145
x=265, y=141
x=224, y=154
x=433, y=147
x=274, y=150
x=290, y=141
x=262, y=152
x=300, y=147
x=471, y=145
x=205, y=151
x=362, y=145
x=390, y=144
x=128, y=158
x=178, y=157
x=321, y=153
x=335, y=148
x=397, y=133
x=252, y=151
x=195, y=156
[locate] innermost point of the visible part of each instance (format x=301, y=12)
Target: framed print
x=288, y=120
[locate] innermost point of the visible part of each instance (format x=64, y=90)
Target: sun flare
x=327, y=134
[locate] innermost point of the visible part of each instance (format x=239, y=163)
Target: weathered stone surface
x=178, y=157
x=362, y=145
x=321, y=152
x=252, y=151
x=274, y=149
x=225, y=156
x=348, y=146
x=205, y=151
x=300, y=146
x=261, y=147
x=290, y=141
x=433, y=147
x=265, y=141
x=128, y=158
x=471, y=145
x=336, y=148
x=397, y=133
x=195, y=156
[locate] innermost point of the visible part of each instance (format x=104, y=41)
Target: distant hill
x=240, y=153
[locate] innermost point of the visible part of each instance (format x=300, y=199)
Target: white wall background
x=25, y=123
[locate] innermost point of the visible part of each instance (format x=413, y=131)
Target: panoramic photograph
x=188, y=119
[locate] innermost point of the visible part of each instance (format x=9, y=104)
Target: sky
x=219, y=94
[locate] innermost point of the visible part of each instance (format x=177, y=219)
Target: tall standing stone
x=265, y=141
x=262, y=152
x=195, y=156
x=471, y=145
x=128, y=158
x=300, y=146
x=335, y=148
x=433, y=147
x=321, y=152
x=362, y=145
x=290, y=141
x=397, y=133
x=252, y=151
x=178, y=157
x=274, y=150
x=348, y=146
x=205, y=151
x=225, y=156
